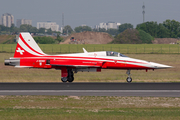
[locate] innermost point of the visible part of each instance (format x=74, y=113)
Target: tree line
x=133, y=36
x=121, y=28
x=23, y=28
x=167, y=29
x=67, y=29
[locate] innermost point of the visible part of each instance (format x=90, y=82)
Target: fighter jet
x=29, y=55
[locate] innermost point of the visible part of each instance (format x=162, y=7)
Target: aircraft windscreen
x=122, y=55
x=111, y=53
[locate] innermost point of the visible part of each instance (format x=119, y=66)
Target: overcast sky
x=91, y=12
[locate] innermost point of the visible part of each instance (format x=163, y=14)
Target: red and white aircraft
x=29, y=55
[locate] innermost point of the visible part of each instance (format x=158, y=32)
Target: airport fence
x=122, y=48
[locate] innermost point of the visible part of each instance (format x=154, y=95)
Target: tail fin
x=27, y=47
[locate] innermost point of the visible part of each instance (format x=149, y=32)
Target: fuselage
x=91, y=59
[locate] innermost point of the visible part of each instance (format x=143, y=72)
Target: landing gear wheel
x=64, y=79
x=71, y=79
x=129, y=79
x=70, y=75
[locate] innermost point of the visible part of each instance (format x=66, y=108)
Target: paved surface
x=92, y=89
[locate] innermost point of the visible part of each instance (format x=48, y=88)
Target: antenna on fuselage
x=85, y=50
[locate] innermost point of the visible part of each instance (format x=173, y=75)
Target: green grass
x=80, y=114
x=88, y=108
x=123, y=48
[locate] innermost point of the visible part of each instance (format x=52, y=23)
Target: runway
x=92, y=89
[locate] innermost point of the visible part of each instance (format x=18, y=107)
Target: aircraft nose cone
x=159, y=66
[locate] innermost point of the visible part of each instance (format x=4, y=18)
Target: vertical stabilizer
x=27, y=47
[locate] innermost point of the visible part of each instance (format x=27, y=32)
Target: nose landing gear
x=129, y=79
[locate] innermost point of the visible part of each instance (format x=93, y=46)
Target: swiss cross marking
x=20, y=51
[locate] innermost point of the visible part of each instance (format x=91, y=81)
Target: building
x=103, y=25
x=48, y=25
x=7, y=19
x=109, y=25
x=61, y=29
x=83, y=25
x=20, y=22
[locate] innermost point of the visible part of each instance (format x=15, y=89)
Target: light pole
x=143, y=12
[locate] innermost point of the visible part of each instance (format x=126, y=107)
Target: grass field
x=123, y=48
x=88, y=108
x=11, y=74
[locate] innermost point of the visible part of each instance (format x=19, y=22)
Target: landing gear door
x=48, y=62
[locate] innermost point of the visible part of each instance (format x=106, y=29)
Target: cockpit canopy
x=105, y=53
x=111, y=53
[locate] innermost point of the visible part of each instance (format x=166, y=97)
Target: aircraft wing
x=84, y=65
x=77, y=66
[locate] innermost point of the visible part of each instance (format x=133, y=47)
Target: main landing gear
x=129, y=79
x=70, y=76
